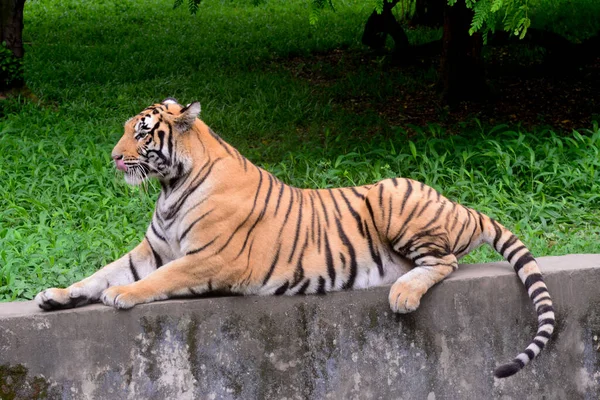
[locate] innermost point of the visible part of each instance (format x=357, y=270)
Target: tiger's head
x=151, y=145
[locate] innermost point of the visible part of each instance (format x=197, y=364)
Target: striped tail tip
x=507, y=370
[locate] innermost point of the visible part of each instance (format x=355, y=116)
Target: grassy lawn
x=64, y=212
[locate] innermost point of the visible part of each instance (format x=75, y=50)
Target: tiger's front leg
x=132, y=267
x=185, y=276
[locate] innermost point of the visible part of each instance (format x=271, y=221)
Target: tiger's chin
x=135, y=180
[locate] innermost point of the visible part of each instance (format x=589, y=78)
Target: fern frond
x=193, y=6
x=496, y=5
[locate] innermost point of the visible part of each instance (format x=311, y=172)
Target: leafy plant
x=11, y=68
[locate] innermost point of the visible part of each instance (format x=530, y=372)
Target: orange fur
x=222, y=223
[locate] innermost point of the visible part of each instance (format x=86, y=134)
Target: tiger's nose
x=119, y=163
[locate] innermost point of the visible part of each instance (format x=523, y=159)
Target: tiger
x=223, y=224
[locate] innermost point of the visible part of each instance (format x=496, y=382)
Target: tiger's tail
x=526, y=267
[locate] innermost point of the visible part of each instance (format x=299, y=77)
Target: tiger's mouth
x=135, y=174
x=120, y=164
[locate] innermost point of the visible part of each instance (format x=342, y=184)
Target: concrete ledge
x=340, y=346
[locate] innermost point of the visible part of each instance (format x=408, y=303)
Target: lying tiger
x=222, y=223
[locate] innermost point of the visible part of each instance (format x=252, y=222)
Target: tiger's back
x=222, y=223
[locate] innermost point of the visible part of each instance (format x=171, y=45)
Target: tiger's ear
x=169, y=100
x=189, y=113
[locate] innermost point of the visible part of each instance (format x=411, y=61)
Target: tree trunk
x=461, y=67
x=11, y=30
x=428, y=13
x=378, y=26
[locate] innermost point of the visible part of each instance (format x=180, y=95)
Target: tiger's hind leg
x=405, y=294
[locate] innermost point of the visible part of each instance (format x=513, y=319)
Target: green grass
x=64, y=212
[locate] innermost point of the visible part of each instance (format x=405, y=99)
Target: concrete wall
x=340, y=346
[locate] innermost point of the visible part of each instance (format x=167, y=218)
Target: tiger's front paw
x=120, y=297
x=405, y=297
x=57, y=299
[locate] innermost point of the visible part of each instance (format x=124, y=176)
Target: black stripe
x=272, y=268
x=435, y=217
x=380, y=194
x=351, y=253
x=260, y=216
x=321, y=288
x=395, y=182
x=199, y=249
x=170, y=142
x=236, y=230
x=289, y=209
x=429, y=190
x=539, y=343
x=210, y=287
x=547, y=297
x=337, y=208
x=312, y=218
x=529, y=353
x=409, y=190
x=370, y=210
x=299, y=272
x=547, y=321
x=498, y=233
x=531, y=279
x=343, y=260
x=196, y=182
x=425, y=206
x=374, y=253
x=519, y=362
x=298, y=225
x=161, y=139
x=161, y=237
x=460, y=233
x=158, y=153
x=221, y=141
x=324, y=208
x=329, y=261
x=134, y=272
x=187, y=230
x=357, y=193
x=303, y=288
x=470, y=241
x=544, y=309
x=514, y=252
x=157, y=258
x=524, y=259
x=279, y=198
x=512, y=240
x=282, y=289
x=544, y=334
x=452, y=216
x=318, y=233
x=537, y=292
x=390, y=211
x=405, y=225
x=353, y=213
x=480, y=221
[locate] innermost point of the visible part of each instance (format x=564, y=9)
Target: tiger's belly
x=315, y=276
x=393, y=268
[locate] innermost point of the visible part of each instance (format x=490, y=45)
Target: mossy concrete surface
x=339, y=346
